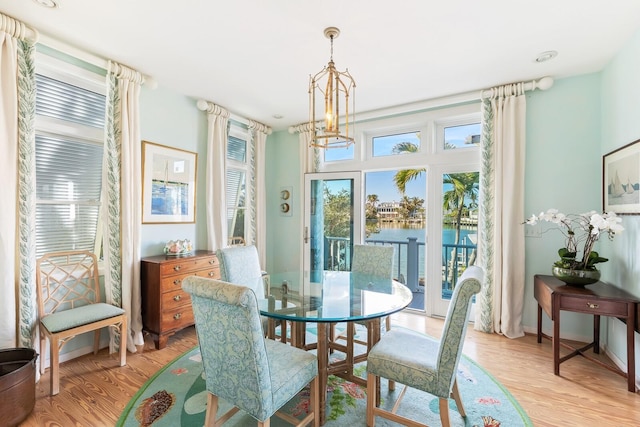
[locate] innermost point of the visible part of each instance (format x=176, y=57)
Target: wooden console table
x=599, y=299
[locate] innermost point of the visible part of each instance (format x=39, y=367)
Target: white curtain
x=502, y=203
x=309, y=156
x=257, y=233
x=17, y=174
x=216, y=177
x=122, y=198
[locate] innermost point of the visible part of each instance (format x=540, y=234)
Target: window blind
x=68, y=166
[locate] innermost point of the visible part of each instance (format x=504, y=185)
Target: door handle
x=306, y=235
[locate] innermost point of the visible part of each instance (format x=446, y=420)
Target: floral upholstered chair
x=369, y=260
x=422, y=362
x=254, y=374
x=241, y=265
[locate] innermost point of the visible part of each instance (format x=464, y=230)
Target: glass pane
x=462, y=136
x=65, y=227
x=235, y=223
x=460, y=226
x=335, y=154
x=389, y=145
x=236, y=199
x=67, y=102
x=237, y=149
x=398, y=218
x=331, y=225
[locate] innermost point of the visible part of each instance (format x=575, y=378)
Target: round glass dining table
x=327, y=298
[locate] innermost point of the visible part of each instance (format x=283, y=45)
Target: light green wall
x=171, y=119
x=563, y=172
x=284, y=233
x=620, y=88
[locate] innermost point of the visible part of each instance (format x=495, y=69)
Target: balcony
x=409, y=263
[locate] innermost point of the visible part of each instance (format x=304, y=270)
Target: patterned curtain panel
x=17, y=172
x=258, y=203
x=501, y=300
x=216, y=200
x=122, y=195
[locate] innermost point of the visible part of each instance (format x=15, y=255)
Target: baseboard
x=81, y=351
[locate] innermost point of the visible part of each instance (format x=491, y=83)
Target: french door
x=332, y=221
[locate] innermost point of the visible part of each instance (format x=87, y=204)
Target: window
x=463, y=134
x=236, y=185
x=421, y=180
x=70, y=109
x=389, y=145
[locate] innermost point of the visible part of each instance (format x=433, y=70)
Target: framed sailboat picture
x=621, y=180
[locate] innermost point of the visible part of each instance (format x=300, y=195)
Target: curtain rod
x=203, y=105
x=18, y=29
x=543, y=83
x=88, y=57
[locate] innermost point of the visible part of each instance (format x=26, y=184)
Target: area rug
x=176, y=396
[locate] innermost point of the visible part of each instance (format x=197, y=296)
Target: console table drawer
x=594, y=306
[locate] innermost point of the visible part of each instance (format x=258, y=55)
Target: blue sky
x=381, y=183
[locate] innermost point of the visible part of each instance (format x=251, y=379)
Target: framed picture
x=168, y=184
x=621, y=180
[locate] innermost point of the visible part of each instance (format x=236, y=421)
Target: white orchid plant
x=580, y=229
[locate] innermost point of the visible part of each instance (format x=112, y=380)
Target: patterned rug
x=176, y=396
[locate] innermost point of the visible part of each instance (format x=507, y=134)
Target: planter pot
x=17, y=384
x=576, y=277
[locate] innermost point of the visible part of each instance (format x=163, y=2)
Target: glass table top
x=332, y=296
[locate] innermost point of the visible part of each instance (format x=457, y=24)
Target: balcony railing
x=409, y=262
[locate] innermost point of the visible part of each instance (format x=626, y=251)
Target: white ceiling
x=254, y=57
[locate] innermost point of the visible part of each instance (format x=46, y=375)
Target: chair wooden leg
x=455, y=392
x=315, y=401
x=96, y=341
x=43, y=349
x=444, y=412
x=212, y=410
x=371, y=399
x=124, y=331
x=54, y=361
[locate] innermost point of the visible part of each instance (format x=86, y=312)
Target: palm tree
x=461, y=196
x=402, y=177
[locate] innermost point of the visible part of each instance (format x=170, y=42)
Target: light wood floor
x=94, y=390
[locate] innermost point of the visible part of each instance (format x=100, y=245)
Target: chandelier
x=330, y=92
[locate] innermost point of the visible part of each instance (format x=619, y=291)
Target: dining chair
x=254, y=374
x=419, y=361
x=368, y=260
x=241, y=265
x=68, y=295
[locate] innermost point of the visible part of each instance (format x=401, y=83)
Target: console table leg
x=556, y=338
x=596, y=333
x=631, y=353
x=539, y=324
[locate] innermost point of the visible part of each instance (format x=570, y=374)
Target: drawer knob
x=177, y=282
x=592, y=305
x=177, y=268
x=211, y=274
x=177, y=316
x=177, y=298
x=212, y=261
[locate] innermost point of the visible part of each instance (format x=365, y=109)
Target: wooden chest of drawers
x=166, y=308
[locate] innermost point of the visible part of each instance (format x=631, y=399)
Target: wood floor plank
x=94, y=389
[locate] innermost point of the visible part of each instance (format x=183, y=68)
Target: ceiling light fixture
x=51, y=4
x=546, y=56
x=329, y=93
